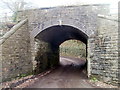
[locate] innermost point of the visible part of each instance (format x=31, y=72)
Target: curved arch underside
x=56, y=35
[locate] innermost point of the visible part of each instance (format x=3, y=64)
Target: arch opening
x=48, y=42
x=73, y=52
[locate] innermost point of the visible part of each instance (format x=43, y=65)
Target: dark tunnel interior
x=55, y=36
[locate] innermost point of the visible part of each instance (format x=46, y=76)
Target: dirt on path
x=68, y=75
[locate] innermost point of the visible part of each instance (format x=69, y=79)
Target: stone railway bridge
x=33, y=44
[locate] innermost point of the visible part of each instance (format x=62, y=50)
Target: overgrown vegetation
x=23, y=75
x=73, y=48
x=94, y=78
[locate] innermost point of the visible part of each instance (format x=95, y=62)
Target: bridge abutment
x=46, y=57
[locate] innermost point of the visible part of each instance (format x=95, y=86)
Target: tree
x=15, y=6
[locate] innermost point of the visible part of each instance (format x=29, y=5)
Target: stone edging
x=12, y=31
x=24, y=82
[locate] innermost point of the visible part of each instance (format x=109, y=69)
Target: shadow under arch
x=54, y=36
x=59, y=33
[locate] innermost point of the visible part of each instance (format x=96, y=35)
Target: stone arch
x=48, y=42
x=65, y=31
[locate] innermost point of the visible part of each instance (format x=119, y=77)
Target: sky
x=53, y=3
x=46, y=3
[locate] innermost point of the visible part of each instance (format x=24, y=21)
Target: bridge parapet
x=83, y=17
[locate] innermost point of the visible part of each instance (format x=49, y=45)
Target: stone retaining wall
x=104, y=51
x=16, y=54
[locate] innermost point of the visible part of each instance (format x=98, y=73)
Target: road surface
x=68, y=75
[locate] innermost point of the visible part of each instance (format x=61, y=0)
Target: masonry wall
x=102, y=33
x=104, y=51
x=81, y=17
x=16, y=55
x=45, y=57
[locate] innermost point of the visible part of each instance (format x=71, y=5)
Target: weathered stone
x=14, y=60
x=100, y=34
